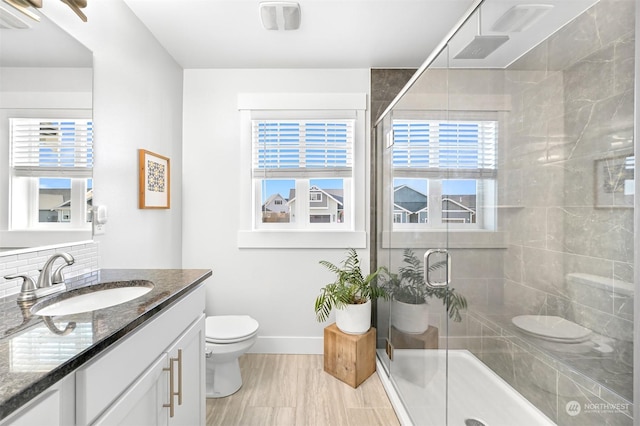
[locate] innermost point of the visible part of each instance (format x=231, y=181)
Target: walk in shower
x=504, y=175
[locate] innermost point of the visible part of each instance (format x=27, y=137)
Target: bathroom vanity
x=139, y=362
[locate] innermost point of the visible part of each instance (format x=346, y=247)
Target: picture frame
x=154, y=180
x=614, y=182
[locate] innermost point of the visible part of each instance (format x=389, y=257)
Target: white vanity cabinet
x=55, y=406
x=154, y=376
x=168, y=392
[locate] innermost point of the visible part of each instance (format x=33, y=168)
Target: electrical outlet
x=99, y=228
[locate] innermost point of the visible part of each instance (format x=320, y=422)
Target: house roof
x=336, y=194
x=409, y=199
x=271, y=198
x=465, y=202
x=413, y=201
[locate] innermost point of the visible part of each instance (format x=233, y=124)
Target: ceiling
x=332, y=33
x=41, y=44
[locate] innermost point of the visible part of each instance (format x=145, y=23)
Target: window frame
x=434, y=175
x=492, y=236
x=23, y=212
x=352, y=232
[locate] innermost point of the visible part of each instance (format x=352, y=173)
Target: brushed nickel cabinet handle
x=179, y=359
x=170, y=405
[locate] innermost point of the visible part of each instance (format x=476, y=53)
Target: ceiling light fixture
x=9, y=21
x=520, y=17
x=280, y=15
x=23, y=7
x=75, y=5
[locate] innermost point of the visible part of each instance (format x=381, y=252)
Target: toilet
x=227, y=337
x=551, y=328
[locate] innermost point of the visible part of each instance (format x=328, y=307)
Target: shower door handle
x=427, y=268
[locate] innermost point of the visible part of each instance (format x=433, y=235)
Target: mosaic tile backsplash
x=30, y=261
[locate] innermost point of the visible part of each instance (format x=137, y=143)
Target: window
x=50, y=173
x=302, y=160
x=444, y=173
x=315, y=196
x=308, y=150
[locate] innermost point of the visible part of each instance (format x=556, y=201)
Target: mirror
x=44, y=74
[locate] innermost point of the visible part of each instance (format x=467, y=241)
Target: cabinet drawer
x=102, y=380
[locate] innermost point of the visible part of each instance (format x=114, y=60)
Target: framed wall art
x=154, y=185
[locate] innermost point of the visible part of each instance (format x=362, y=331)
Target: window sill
x=302, y=239
x=453, y=239
x=33, y=238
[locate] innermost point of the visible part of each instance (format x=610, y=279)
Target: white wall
x=275, y=286
x=137, y=104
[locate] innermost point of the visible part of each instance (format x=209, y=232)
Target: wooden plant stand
x=349, y=357
x=426, y=340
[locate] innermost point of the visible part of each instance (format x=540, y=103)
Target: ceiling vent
x=9, y=21
x=482, y=45
x=280, y=15
x=520, y=17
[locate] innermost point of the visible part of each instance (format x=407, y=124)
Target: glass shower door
x=520, y=170
x=413, y=223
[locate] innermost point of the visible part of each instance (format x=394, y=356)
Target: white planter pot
x=410, y=318
x=354, y=319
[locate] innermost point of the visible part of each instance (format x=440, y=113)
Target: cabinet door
x=56, y=405
x=190, y=400
x=143, y=402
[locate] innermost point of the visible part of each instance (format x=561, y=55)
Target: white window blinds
x=302, y=148
x=461, y=148
x=46, y=147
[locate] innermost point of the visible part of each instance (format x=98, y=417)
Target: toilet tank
x=602, y=304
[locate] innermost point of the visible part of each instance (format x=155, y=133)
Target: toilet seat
x=552, y=328
x=230, y=328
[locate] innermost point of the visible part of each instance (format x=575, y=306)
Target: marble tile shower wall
x=547, y=382
x=573, y=105
x=29, y=261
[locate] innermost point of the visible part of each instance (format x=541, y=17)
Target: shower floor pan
x=476, y=393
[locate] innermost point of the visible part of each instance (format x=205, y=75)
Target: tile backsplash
x=28, y=261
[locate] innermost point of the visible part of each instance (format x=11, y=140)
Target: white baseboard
x=288, y=345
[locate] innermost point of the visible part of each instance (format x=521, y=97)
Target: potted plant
x=351, y=294
x=410, y=294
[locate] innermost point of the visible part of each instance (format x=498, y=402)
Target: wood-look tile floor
x=282, y=390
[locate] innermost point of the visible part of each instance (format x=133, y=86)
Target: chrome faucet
x=48, y=282
x=47, y=278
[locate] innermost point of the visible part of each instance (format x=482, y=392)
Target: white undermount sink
x=91, y=298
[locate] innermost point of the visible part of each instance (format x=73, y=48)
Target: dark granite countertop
x=35, y=354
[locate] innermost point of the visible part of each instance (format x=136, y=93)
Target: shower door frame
x=636, y=224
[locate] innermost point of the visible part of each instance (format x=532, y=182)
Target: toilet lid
x=229, y=328
x=551, y=327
